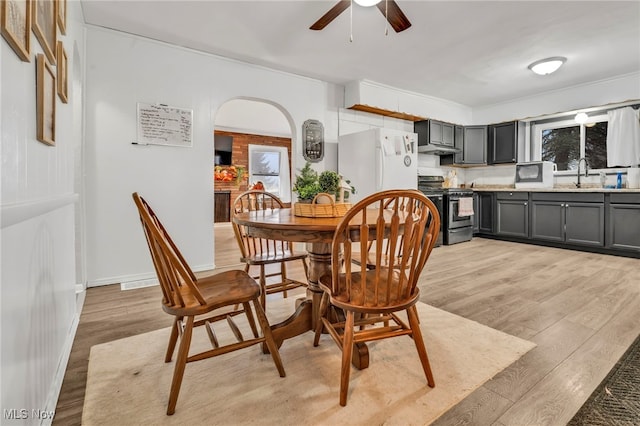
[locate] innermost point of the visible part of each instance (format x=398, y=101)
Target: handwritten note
x=164, y=125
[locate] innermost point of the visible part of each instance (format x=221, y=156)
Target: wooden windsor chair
x=265, y=251
x=370, y=258
x=187, y=297
x=370, y=295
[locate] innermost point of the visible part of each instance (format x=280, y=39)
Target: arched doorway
x=248, y=133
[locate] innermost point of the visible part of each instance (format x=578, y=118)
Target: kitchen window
x=565, y=142
x=270, y=165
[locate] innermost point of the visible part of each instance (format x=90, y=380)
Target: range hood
x=438, y=149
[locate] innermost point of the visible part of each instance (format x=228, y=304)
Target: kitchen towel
x=623, y=137
x=465, y=206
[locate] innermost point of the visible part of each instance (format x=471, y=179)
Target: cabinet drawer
x=569, y=197
x=631, y=198
x=508, y=195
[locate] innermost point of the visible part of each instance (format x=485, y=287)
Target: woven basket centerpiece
x=315, y=209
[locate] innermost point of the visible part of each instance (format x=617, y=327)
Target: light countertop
x=494, y=188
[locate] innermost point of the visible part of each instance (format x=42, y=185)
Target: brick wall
x=240, y=157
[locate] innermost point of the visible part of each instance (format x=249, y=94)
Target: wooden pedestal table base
x=281, y=224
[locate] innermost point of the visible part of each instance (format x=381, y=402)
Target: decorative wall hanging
x=61, y=15
x=45, y=101
x=45, y=28
x=312, y=141
x=63, y=89
x=15, y=17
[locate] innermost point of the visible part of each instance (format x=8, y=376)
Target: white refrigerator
x=377, y=160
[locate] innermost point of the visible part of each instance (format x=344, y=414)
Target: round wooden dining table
x=317, y=233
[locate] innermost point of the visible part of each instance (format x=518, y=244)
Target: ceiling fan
x=389, y=9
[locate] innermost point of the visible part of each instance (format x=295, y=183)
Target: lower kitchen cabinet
x=484, y=212
x=623, y=222
x=568, y=218
x=512, y=214
x=600, y=222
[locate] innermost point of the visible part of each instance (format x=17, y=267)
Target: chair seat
x=219, y=290
x=266, y=258
x=341, y=299
x=371, y=260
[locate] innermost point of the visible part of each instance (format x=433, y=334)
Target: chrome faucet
x=586, y=170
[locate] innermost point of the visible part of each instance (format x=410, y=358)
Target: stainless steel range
x=454, y=206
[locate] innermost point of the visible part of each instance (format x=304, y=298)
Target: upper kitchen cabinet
x=441, y=133
x=503, y=142
x=472, y=142
x=435, y=137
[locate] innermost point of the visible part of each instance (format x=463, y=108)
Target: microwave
x=537, y=174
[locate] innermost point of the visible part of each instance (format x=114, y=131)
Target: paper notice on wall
x=161, y=124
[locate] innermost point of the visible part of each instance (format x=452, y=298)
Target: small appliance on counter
x=536, y=174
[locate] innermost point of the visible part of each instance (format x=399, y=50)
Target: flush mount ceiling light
x=581, y=118
x=547, y=66
x=367, y=3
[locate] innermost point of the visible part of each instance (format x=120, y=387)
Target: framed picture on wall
x=15, y=17
x=44, y=26
x=45, y=101
x=61, y=15
x=61, y=55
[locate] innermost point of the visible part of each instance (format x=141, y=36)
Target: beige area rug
x=128, y=382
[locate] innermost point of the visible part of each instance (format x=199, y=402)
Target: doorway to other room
x=252, y=143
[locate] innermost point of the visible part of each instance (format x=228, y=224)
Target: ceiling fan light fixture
x=548, y=65
x=367, y=3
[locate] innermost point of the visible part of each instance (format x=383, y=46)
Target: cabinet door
x=458, y=142
x=476, y=210
x=623, y=226
x=503, y=143
x=222, y=208
x=585, y=224
x=485, y=212
x=475, y=145
x=512, y=218
x=435, y=132
x=547, y=220
x=447, y=134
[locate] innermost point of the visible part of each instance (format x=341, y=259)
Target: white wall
x=599, y=93
x=122, y=70
x=38, y=300
x=254, y=117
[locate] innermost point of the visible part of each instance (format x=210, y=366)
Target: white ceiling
x=471, y=52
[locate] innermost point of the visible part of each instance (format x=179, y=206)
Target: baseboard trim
x=123, y=279
x=56, y=385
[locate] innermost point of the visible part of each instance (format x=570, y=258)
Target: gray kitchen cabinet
x=441, y=133
x=547, y=220
x=472, y=143
x=512, y=214
x=474, y=147
x=623, y=222
x=474, y=219
x=458, y=142
x=502, y=146
x=484, y=212
x=568, y=218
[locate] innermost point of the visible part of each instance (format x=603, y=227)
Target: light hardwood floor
x=581, y=310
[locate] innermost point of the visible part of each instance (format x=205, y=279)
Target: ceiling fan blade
x=332, y=14
x=395, y=16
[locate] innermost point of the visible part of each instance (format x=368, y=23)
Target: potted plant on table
x=309, y=184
